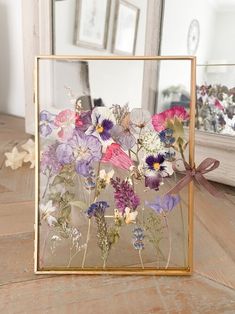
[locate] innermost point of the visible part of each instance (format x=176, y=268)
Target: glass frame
x=119, y=271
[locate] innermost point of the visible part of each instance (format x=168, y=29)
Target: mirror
x=205, y=29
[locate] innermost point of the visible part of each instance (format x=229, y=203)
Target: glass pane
x=106, y=165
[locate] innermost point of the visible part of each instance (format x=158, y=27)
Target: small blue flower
x=166, y=136
x=138, y=236
x=138, y=245
x=138, y=233
x=164, y=204
x=97, y=208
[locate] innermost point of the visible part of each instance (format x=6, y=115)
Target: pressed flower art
x=104, y=175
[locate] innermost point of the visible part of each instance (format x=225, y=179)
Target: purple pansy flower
x=86, y=149
x=156, y=168
x=49, y=160
x=124, y=195
x=155, y=162
x=46, y=123
x=164, y=204
x=102, y=123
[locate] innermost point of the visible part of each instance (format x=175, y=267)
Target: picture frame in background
x=125, y=31
x=92, y=23
x=77, y=236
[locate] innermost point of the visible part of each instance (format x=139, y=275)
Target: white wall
x=104, y=78
x=12, y=99
x=177, y=18
x=216, y=45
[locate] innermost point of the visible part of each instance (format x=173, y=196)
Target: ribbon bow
x=197, y=174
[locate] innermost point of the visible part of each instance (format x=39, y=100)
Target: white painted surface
x=119, y=82
x=12, y=98
x=177, y=18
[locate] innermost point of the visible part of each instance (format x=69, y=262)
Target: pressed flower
x=49, y=160
x=153, y=180
x=46, y=125
x=164, y=204
x=102, y=122
x=14, y=158
x=155, y=162
x=83, y=120
x=159, y=120
x=155, y=170
x=106, y=176
x=124, y=195
x=117, y=157
x=65, y=121
x=130, y=215
x=166, y=137
x=29, y=147
x=140, y=119
x=138, y=236
x=151, y=142
x=46, y=210
x=97, y=208
x=64, y=153
x=86, y=149
x=123, y=136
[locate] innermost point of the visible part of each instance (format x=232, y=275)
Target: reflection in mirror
x=209, y=34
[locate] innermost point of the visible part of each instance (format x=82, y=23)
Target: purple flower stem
x=170, y=244
x=89, y=221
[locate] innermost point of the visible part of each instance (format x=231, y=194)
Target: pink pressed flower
x=218, y=105
x=159, y=120
x=65, y=121
x=117, y=157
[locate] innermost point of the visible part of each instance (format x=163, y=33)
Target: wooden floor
x=211, y=289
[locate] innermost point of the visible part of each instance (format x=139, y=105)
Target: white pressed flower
x=151, y=143
x=29, y=146
x=46, y=211
x=106, y=176
x=14, y=158
x=130, y=216
x=168, y=169
x=117, y=214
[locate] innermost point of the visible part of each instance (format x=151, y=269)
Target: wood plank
x=109, y=294
x=210, y=259
x=16, y=218
x=16, y=258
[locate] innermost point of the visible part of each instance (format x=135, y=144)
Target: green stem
x=86, y=244
x=47, y=184
x=170, y=244
x=141, y=260
x=89, y=222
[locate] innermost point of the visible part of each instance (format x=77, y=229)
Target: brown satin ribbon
x=196, y=174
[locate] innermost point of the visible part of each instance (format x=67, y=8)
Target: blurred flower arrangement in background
x=216, y=109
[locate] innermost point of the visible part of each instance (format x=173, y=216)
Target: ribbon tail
x=180, y=184
x=208, y=186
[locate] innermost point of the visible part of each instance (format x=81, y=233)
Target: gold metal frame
x=120, y=271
